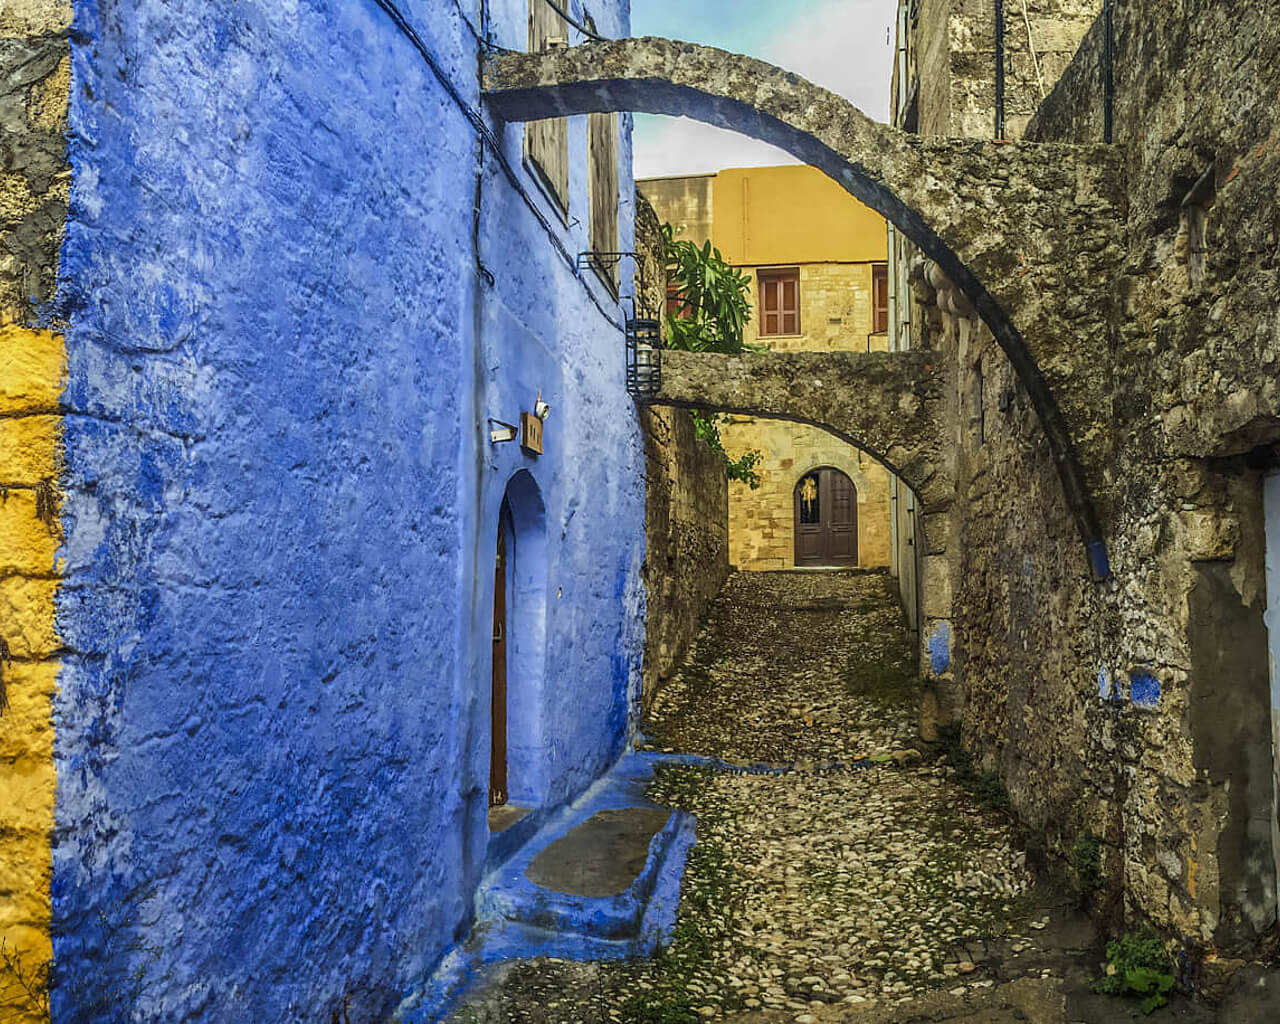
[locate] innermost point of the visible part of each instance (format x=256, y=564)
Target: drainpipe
x=1000, y=128
x=893, y=288
x=904, y=87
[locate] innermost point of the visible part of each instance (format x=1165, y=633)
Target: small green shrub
x=1085, y=859
x=985, y=787
x=1137, y=965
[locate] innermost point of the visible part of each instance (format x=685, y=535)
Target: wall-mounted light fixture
x=500, y=432
x=540, y=408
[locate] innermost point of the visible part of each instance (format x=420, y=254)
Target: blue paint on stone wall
x=1144, y=690
x=282, y=511
x=940, y=648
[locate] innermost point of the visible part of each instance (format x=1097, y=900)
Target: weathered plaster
x=282, y=507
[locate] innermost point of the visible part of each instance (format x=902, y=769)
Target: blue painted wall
x=273, y=730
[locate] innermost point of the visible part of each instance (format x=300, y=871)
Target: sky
x=844, y=45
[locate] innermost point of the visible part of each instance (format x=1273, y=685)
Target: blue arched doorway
x=517, y=763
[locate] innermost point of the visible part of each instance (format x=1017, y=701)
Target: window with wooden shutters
x=546, y=143
x=779, y=302
x=602, y=146
x=880, y=298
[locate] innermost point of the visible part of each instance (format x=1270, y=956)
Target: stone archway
x=886, y=404
x=1007, y=224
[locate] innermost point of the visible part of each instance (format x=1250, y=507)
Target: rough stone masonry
x=1127, y=711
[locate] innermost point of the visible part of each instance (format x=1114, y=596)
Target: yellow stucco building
x=817, y=262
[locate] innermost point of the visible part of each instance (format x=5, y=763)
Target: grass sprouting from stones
x=788, y=667
x=986, y=787
x=687, y=975
x=890, y=680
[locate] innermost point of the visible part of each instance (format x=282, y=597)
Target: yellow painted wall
x=782, y=215
x=32, y=369
x=32, y=373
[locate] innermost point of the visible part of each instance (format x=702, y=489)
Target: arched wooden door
x=826, y=519
x=498, y=715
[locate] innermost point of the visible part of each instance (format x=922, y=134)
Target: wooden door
x=826, y=518
x=498, y=742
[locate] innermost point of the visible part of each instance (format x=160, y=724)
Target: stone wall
x=952, y=59
x=1196, y=401
x=686, y=507
x=686, y=203
x=687, y=531
x=1137, y=711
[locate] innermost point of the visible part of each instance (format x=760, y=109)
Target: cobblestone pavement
x=813, y=666
x=854, y=886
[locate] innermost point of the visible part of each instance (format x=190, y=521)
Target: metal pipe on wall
x=1108, y=71
x=1000, y=120
x=904, y=87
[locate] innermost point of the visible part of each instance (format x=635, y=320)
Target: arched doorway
x=517, y=758
x=826, y=519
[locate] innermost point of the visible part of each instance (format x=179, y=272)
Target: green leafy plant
x=1085, y=859
x=711, y=314
x=743, y=468
x=1137, y=965
x=711, y=295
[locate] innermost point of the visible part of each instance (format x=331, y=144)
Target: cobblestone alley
x=857, y=878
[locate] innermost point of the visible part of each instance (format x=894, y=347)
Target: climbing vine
x=710, y=311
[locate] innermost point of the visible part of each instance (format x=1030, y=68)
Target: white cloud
x=842, y=45
x=676, y=145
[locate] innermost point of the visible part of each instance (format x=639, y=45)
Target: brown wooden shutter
x=602, y=146
x=780, y=302
x=880, y=298
x=546, y=143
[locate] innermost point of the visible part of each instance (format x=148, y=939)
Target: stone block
x=29, y=448
x=33, y=366
x=937, y=587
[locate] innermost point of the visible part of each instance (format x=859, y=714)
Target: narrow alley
x=840, y=873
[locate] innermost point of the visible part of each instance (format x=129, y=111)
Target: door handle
x=497, y=633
